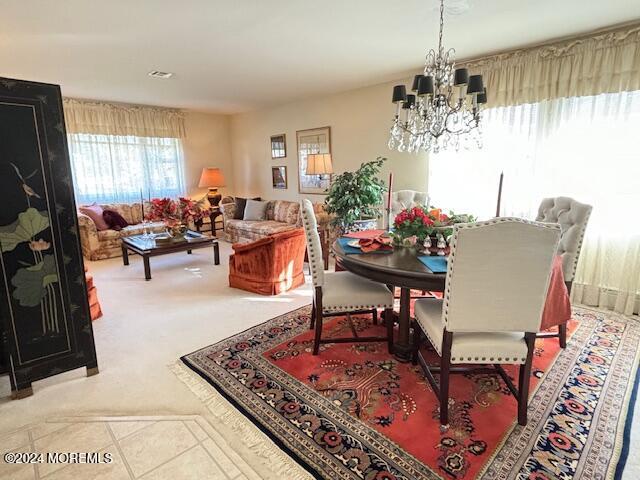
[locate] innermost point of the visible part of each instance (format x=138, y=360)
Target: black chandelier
x=444, y=109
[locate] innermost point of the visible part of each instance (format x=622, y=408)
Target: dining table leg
x=402, y=349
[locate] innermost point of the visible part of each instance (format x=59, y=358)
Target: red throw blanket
x=557, y=308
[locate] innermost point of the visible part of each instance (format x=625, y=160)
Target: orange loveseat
x=271, y=265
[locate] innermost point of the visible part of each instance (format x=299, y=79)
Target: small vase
x=178, y=230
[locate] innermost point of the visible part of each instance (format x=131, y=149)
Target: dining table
x=398, y=268
x=401, y=268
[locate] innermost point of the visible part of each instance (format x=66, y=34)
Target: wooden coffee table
x=148, y=248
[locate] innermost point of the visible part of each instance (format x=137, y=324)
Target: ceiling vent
x=159, y=74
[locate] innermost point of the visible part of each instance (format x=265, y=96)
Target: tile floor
x=147, y=448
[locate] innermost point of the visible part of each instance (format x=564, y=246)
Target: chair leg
x=374, y=314
x=524, y=380
x=562, y=333
x=313, y=316
x=318, y=334
x=388, y=320
x=445, y=364
x=562, y=329
x=318, y=308
x=416, y=343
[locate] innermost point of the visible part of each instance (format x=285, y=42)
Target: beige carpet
x=146, y=327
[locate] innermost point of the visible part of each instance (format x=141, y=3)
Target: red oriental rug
x=355, y=412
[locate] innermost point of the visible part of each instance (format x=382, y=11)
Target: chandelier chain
x=441, y=25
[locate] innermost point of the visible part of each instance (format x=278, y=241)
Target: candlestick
x=389, y=201
x=142, y=204
x=499, y=194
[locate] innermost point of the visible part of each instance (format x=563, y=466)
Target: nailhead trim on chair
x=454, y=241
x=447, y=296
x=311, y=250
x=342, y=308
x=491, y=359
x=543, y=213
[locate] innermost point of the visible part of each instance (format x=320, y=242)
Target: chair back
x=407, y=199
x=573, y=217
x=498, y=275
x=314, y=246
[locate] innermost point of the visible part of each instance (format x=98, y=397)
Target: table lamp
x=212, y=179
x=319, y=164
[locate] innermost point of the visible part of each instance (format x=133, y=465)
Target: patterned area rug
x=355, y=412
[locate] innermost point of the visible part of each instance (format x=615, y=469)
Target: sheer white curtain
x=582, y=147
x=117, y=168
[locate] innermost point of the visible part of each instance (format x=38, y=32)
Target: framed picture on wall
x=316, y=140
x=279, y=146
x=279, y=177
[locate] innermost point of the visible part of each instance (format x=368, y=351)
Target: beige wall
x=206, y=145
x=359, y=121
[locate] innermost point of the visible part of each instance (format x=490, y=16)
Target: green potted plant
x=354, y=198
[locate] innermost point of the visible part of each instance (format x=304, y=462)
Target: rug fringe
x=248, y=436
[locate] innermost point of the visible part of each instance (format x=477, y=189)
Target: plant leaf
x=29, y=223
x=30, y=282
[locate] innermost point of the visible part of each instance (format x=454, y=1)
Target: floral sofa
x=98, y=245
x=281, y=215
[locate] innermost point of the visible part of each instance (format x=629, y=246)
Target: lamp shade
x=211, y=178
x=475, y=84
x=416, y=82
x=482, y=97
x=411, y=101
x=399, y=94
x=425, y=86
x=319, y=164
x=461, y=76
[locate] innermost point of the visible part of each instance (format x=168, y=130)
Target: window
x=117, y=169
x=580, y=147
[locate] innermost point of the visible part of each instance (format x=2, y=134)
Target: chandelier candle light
x=444, y=109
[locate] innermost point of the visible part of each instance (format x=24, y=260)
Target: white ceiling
x=236, y=55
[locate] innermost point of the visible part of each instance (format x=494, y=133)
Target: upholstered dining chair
x=342, y=293
x=495, y=291
x=406, y=199
x=573, y=218
x=402, y=199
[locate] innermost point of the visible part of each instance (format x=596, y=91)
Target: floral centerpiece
x=419, y=225
x=177, y=214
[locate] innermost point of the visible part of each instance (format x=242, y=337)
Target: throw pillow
x=114, y=220
x=94, y=212
x=240, y=206
x=255, y=210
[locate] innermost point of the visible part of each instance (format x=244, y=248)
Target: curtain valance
x=102, y=118
x=604, y=62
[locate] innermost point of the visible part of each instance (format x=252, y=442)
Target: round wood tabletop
x=400, y=268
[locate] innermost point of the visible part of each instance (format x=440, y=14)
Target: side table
x=215, y=215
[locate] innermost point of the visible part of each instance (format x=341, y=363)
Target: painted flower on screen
x=39, y=245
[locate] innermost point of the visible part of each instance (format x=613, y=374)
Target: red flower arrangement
x=418, y=223
x=174, y=212
x=192, y=210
